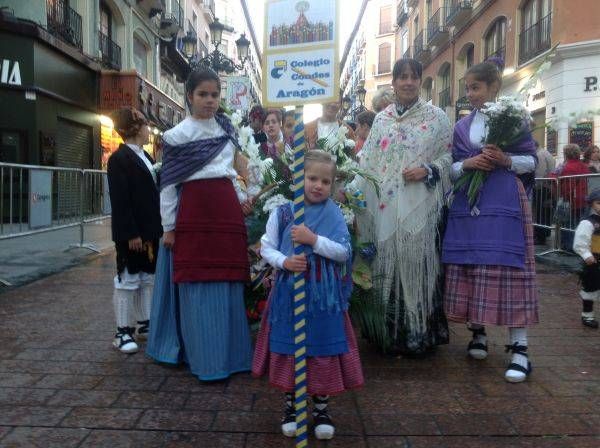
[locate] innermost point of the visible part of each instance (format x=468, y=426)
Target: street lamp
x=360, y=93
x=216, y=60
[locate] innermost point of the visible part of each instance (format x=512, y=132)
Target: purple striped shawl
x=181, y=161
x=495, y=236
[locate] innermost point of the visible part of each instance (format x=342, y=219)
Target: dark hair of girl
x=488, y=72
x=199, y=76
x=414, y=65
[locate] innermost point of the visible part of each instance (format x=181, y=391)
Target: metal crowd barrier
x=36, y=199
x=558, y=206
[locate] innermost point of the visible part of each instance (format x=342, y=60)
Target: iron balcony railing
x=456, y=7
x=535, y=40
x=444, y=98
x=110, y=51
x=402, y=15
x=64, y=22
x=436, y=25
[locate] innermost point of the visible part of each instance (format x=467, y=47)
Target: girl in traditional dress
x=333, y=364
x=490, y=264
x=136, y=227
x=408, y=151
x=199, y=315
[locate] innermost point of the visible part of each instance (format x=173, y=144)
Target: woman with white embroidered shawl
x=408, y=151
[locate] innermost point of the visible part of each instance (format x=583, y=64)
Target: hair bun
x=497, y=61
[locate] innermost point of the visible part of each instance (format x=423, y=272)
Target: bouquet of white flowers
x=506, y=124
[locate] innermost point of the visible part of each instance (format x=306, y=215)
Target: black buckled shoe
x=516, y=373
x=477, y=349
x=589, y=322
x=141, y=329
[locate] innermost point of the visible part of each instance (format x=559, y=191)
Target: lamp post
x=360, y=94
x=216, y=60
x=346, y=103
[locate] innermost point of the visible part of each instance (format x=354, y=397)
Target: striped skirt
x=326, y=375
x=496, y=295
x=202, y=324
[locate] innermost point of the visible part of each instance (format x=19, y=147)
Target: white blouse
x=326, y=129
x=141, y=154
x=270, y=241
x=582, y=242
x=477, y=135
x=192, y=129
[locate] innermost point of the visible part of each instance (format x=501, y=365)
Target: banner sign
x=40, y=199
x=238, y=93
x=301, y=60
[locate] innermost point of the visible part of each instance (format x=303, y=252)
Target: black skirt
x=135, y=262
x=590, y=277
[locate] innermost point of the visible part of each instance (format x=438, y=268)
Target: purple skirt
x=492, y=294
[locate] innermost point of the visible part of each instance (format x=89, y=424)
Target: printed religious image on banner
x=310, y=22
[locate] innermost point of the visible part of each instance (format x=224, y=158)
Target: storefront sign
x=10, y=73
x=117, y=92
x=591, y=83
x=582, y=134
x=238, y=93
x=40, y=199
x=301, y=52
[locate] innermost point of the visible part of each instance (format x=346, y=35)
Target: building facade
x=448, y=36
x=369, y=55
x=74, y=61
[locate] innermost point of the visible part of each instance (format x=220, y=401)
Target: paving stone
x=227, y=421
x=151, y=383
x=124, y=439
x=220, y=402
x=550, y=424
x=87, y=417
x=24, y=396
x=146, y=400
x=31, y=415
x=474, y=425
x=171, y=420
x=68, y=382
x=4, y=430
x=385, y=425
x=18, y=380
x=192, y=384
x=213, y=440
x=44, y=437
x=91, y=398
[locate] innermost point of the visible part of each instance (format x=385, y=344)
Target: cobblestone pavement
x=62, y=385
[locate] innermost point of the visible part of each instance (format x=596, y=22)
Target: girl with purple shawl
x=198, y=315
x=488, y=250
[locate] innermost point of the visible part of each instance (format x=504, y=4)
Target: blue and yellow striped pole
x=299, y=289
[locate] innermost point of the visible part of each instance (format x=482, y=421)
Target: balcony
x=64, y=22
x=402, y=12
x=151, y=7
x=421, y=50
x=444, y=98
x=437, y=31
x=412, y=3
x=110, y=52
x=208, y=8
x=171, y=21
x=535, y=40
x=409, y=53
x=458, y=12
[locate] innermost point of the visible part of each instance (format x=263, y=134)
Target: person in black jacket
x=136, y=227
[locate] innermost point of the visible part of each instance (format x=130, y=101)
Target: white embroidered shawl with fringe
x=403, y=221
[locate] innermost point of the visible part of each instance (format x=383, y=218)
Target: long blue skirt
x=202, y=324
